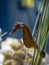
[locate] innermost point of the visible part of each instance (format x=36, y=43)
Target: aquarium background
x=12, y=11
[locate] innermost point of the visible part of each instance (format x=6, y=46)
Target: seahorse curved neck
x=27, y=32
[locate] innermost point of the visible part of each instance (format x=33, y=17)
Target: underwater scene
x=24, y=32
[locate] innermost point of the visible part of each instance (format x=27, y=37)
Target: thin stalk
x=37, y=54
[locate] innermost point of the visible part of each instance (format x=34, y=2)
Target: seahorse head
x=17, y=26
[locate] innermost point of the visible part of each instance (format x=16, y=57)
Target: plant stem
x=42, y=40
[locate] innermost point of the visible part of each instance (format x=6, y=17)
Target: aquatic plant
x=42, y=33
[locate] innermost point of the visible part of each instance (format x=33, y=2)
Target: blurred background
x=12, y=11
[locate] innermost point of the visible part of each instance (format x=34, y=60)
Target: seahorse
x=27, y=36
